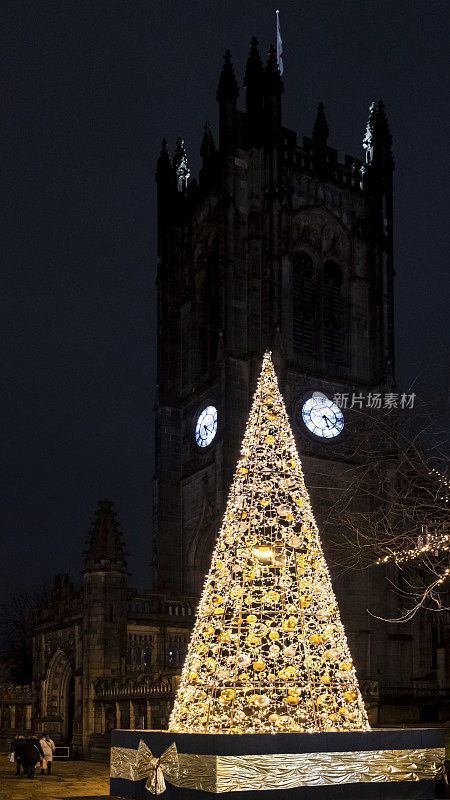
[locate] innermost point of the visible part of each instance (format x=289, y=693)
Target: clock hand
x=326, y=420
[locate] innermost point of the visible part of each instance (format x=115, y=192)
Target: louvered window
x=304, y=306
x=333, y=313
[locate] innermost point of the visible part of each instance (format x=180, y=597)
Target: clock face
x=206, y=426
x=322, y=417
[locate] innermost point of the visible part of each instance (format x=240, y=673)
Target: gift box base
x=288, y=743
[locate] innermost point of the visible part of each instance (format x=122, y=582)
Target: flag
x=279, y=45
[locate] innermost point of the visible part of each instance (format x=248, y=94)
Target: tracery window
x=333, y=312
x=304, y=305
x=318, y=320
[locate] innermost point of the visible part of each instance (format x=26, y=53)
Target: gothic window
x=333, y=313
x=304, y=307
x=148, y=658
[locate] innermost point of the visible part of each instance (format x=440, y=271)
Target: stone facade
x=279, y=244
x=105, y=655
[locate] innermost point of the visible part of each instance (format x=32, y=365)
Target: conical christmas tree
x=268, y=651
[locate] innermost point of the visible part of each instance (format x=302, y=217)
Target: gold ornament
x=268, y=578
x=259, y=666
x=227, y=696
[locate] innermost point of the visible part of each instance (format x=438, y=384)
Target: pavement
x=84, y=780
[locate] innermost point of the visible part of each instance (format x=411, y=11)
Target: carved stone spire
x=254, y=94
x=273, y=79
x=105, y=550
x=369, y=134
x=274, y=88
x=207, y=148
x=164, y=171
x=227, y=94
x=383, y=137
x=377, y=141
x=180, y=165
x=254, y=71
x=321, y=130
x=227, y=89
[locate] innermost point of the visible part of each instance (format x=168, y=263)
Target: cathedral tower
x=278, y=245
x=105, y=611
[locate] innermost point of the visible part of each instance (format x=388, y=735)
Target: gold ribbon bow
x=154, y=769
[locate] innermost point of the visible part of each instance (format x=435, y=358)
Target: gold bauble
x=345, y=666
x=274, y=635
x=288, y=673
x=259, y=666
x=251, y=619
x=350, y=696
x=315, y=638
x=227, y=696
x=193, y=677
x=270, y=439
x=305, y=601
x=253, y=641
x=289, y=624
x=325, y=679
x=293, y=700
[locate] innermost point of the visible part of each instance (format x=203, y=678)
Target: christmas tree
x=268, y=652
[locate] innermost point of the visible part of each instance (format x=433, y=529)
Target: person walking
x=33, y=753
x=17, y=751
x=48, y=748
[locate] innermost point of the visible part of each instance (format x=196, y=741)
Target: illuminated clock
x=322, y=417
x=206, y=426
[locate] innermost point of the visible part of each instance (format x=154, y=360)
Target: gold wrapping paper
x=136, y=765
x=218, y=774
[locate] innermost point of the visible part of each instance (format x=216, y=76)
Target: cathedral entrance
x=60, y=697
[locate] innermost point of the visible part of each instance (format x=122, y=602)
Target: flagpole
x=279, y=44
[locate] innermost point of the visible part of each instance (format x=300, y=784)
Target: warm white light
x=268, y=652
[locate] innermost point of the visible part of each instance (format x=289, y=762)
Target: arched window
x=333, y=313
x=304, y=305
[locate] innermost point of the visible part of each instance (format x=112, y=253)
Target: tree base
x=377, y=765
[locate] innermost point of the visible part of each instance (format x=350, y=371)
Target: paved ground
x=84, y=780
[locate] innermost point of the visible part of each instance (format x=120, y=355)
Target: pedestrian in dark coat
x=18, y=750
x=33, y=754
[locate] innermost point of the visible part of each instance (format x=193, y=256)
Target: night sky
x=89, y=88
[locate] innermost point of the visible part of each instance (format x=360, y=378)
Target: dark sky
x=88, y=91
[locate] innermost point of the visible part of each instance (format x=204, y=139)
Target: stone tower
x=277, y=245
x=105, y=611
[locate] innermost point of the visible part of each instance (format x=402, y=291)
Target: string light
x=435, y=545
x=268, y=652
